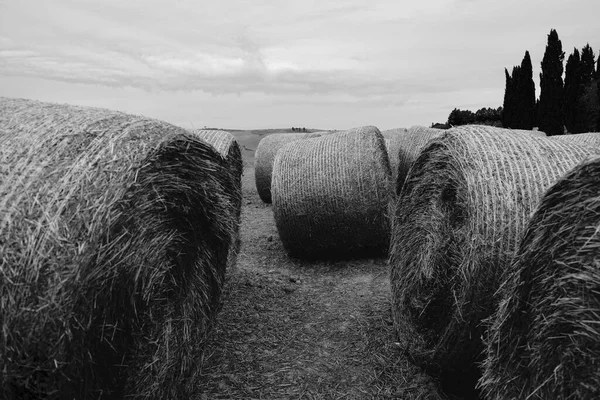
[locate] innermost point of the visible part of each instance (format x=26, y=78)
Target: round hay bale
x=544, y=339
x=458, y=222
x=114, y=236
x=330, y=195
x=265, y=155
x=410, y=144
x=584, y=139
x=224, y=142
x=393, y=143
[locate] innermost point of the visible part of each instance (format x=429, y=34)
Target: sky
x=259, y=64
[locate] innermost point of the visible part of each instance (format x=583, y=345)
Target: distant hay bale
x=265, y=155
x=410, y=144
x=330, y=195
x=114, y=236
x=224, y=142
x=584, y=139
x=544, y=339
x=393, y=142
x=458, y=221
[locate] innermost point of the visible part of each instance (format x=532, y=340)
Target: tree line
x=571, y=106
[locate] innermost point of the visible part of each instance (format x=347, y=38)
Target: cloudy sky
x=330, y=64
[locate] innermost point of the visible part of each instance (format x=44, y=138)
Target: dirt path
x=291, y=329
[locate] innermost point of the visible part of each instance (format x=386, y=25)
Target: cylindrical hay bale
x=544, y=340
x=224, y=142
x=114, y=235
x=584, y=139
x=393, y=143
x=412, y=141
x=330, y=195
x=458, y=222
x=265, y=155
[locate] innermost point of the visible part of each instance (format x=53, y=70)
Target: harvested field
x=331, y=195
x=543, y=339
x=292, y=329
x=111, y=273
x=459, y=219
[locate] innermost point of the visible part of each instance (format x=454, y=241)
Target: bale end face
x=331, y=195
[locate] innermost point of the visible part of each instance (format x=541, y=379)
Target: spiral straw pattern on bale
x=224, y=142
x=114, y=235
x=584, y=139
x=265, y=155
x=544, y=340
x=458, y=222
x=410, y=144
x=393, y=142
x=330, y=195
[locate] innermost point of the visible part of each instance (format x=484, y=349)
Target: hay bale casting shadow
x=331, y=195
x=544, y=339
x=114, y=236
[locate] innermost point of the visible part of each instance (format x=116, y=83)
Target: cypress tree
x=587, y=111
x=598, y=87
x=507, y=106
x=551, y=87
x=526, y=93
x=572, y=81
x=587, y=64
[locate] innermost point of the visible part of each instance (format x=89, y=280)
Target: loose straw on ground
x=114, y=236
x=331, y=195
x=458, y=222
x=544, y=339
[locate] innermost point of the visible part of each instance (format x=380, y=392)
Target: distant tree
x=589, y=109
x=586, y=112
x=571, y=91
x=551, y=87
x=438, y=125
x=303, y=129
x=489, y=116
x=293, y=129
x=526, y=94
x=460, y=117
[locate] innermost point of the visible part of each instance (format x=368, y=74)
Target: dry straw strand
x=330, y=195
x=458, y=222
x=114, y=235
x=265, y=155
x=544, y=339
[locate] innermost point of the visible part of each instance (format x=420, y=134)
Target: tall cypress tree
x=571, y=94
x=587, y=111
x=507, y=106
x=526, y=93
x=598, y=85
x=551, y=87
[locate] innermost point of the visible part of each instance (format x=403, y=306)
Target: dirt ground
x=290, y=329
